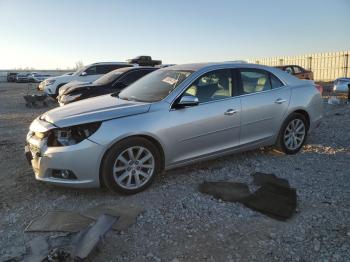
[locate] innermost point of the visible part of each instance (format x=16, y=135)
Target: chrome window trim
x=232, y=67
x=255, y=93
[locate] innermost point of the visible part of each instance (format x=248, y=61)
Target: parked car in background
x=170, y=118
x=341, y=85
x=297, y=71
x=22, y=77
x=88, y=73
x=11, y=77
x=144, y=60
x=111, y=82
x=37, y=77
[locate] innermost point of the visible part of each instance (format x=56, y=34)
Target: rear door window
x=254, y=81
x=132, y=76
x=297, y=70
x=275, y=82
x=289, y=70
x=104, y=69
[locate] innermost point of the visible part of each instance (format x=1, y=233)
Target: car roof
x=126, y=69
x=343, y=78
x=201, y=66
x=111, y=63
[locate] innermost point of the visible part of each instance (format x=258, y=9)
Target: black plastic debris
x=36, y=100
x=226, y=191
x=274, y=197
x=273, y=200
x=261, y=179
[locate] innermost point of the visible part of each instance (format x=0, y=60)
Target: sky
x=50, y=34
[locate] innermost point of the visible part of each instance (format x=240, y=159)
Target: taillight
x=319, y=88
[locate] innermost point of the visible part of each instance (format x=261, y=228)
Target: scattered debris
x=273, y=200
x=333, y=100
x=36, y=100
x=69, y=221
x=261, y=179
x=274, y=197
x=69, y=247
x=226, y=191
x=38, y=249
x=85, y=241
x=59, y=220
x=127, y=214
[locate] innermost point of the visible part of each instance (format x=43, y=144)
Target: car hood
x=95, y=109
x=78, y=87
x=72, y=84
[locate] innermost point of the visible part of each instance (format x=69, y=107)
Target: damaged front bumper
x=75, y=165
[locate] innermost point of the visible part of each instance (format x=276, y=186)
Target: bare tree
x=79, y=64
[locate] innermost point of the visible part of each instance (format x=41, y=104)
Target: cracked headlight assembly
x=70, y=98
x=71, y=135
x=49, y=82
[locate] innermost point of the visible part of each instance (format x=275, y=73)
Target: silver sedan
x=172, y=117
x=341, y=85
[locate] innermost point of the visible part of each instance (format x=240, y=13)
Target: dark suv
x=114, y=81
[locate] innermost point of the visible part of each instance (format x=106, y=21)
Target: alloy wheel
x=294, y=134
x=133, y=167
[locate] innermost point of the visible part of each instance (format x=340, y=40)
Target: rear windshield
x=108, y=78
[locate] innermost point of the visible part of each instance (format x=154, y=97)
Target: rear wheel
x=131, y=165
x=293, y=134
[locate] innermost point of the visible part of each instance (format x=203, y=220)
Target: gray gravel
x=181, y=224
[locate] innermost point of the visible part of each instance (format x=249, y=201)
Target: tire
x=290, y=140
x=125, y=174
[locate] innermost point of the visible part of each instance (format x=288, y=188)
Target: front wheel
x=131, y=165
x=293, y=134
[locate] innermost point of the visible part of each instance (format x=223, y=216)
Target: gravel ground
x=181, y=224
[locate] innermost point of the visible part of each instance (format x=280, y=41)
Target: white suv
x=88, y=73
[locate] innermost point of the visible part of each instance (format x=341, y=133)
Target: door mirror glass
x=83, y=73
x=188, y=101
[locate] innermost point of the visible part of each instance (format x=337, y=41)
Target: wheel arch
x=305, y=114
x=151, y=139
x=58, y=87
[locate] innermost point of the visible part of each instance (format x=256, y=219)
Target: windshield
x=108, y=78
x=79, y=71
x=155, y=86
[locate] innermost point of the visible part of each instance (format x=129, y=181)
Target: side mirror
x=188, y=101
x=83, y=74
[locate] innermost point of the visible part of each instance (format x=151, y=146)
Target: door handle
x=280, y=101
x=230, y=112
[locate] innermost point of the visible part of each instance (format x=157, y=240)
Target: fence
x=325, y=66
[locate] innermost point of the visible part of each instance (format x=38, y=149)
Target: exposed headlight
x=334, y=87
x=71, y=135
x=49, y=82
x=69, y=98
